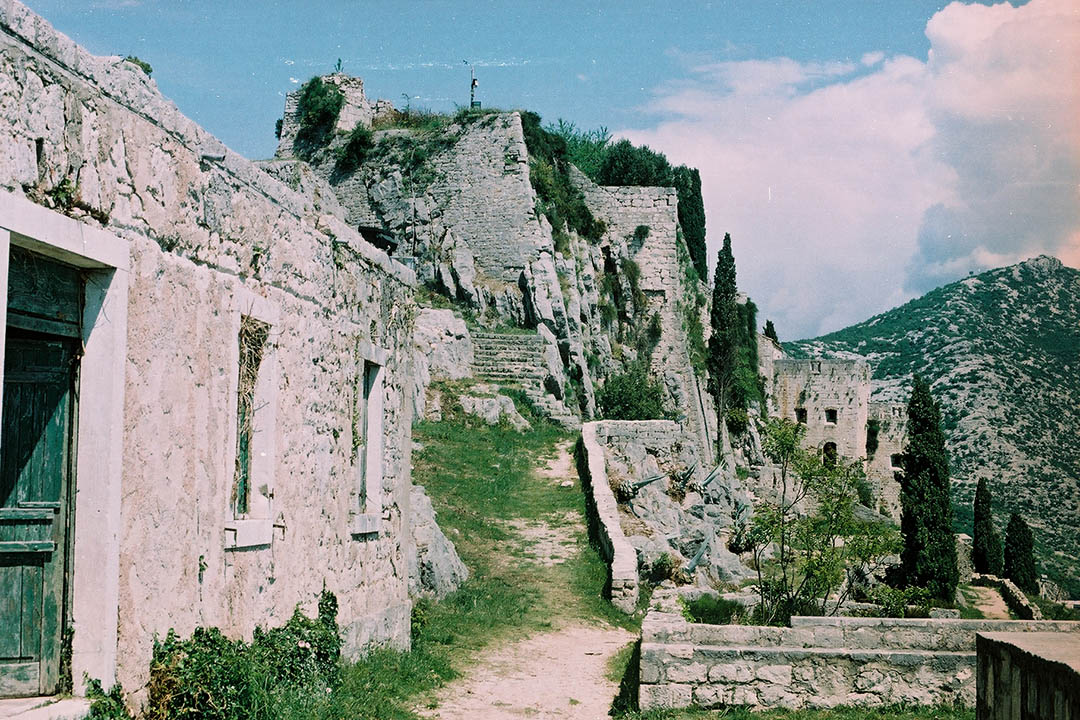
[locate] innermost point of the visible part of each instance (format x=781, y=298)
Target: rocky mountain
x=1002, y=352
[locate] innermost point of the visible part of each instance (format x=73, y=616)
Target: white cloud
x=849, y=187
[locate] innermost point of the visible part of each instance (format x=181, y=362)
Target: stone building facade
x=231, y=380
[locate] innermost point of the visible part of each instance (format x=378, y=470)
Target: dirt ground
x=990, y=602
x=555, y=674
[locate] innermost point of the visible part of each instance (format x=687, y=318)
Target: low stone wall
x=1028, y=675
x=818, y=662
x=1014, y=597
x=604, y=528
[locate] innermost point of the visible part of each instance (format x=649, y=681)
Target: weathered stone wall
x=821, y=386
x=817, y=662
x=211, y=237
x=355, y=109
x=1028, y=676
x=882, y=468
x=603, y=515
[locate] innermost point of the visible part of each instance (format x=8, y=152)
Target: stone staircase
x=517, y=360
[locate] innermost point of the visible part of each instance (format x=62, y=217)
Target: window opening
x=830, y=416
x=828, y=454
x=896, y=461
x=252, y=339
x=800, y=415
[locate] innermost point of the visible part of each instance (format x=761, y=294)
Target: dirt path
x=557, y=674
x=990, y=602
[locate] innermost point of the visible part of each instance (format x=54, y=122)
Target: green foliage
x=105, y=705
x=549, y=172
x=873, y=429
x=632, y=395
x=864, y=491
x=318, y=107
x=210, y=676
x=65, y=194
x=585, y=148
x=627, y=164
x=641, y=234
x=929, y=556
x=816, y=553
x=770, y=331
x=1020, y=555
x=666, y=567
x=692, y=215
x=722, y=358
x=141, y=64
x=277, y=128
x=352, y=154
x=912, y=602
x=632, y=272
x=713, y=610
x=986, y=550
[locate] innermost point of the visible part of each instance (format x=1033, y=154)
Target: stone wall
x=212, y=238
x=817, y=662
x=1028, y=676
x=355, y=109
x=603, y=516
x=881, y=469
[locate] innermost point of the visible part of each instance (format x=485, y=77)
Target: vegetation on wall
x=141, y=64
x=631, y=395
x=549, y=171
x=929, y=556
x=770, y=331
x=318, y=107
x=352, y=154
x=692, y=215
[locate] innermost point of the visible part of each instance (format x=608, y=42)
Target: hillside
x=1002, y=352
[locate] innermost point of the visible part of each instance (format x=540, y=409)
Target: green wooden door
x=35, y=460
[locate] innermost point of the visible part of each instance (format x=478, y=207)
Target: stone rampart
x=603, y=514
x=1028, y=676
x=817, y=662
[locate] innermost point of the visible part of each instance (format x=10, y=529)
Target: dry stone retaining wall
x=817, y=662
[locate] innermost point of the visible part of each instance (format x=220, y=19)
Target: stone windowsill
x=248, y=533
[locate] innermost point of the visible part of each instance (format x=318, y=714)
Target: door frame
x=98, y=468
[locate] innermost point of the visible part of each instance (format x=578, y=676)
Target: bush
x=713, y=610
x=105, y=705
x=632, y=395
x=318, y=108
x=210, y=676
x=141, y=64
x=352, y=153
x=626, y=164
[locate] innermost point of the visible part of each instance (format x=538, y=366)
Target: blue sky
x=849, y=162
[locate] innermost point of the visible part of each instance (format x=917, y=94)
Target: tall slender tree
x=692, y=216
x=986, y=544
x=929, y=555
x=723, y=342
x=770, y=331
x=1020, y=555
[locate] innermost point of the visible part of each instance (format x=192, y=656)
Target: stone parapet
x=1033, y=676
x=604, y=525
x=817, y=662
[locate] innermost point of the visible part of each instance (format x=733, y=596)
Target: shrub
x=1020, y=555
x=632, y=395
x=318, y=108
x=105, y=705
x=665, y=568
x=210, y=676
x=352, y=154
x=141, y=64
x=713, y=610
x=627, y=164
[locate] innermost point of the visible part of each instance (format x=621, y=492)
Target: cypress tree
x=986, y=544
x=724, y=320
x=1020, y=555
x=770, y=331
x=929, y=555
x=692, y=217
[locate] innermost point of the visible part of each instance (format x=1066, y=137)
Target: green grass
x=895, y=712
x=478, y=477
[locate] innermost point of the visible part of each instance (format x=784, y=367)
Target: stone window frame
x=832, y=416
x=99, y=462
x=255, y=528
x=367, y=513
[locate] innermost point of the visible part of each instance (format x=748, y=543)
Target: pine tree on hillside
x=724, y=320
x=770, y=331
x=986, y=544
x=929, y=555
x=1020, y=555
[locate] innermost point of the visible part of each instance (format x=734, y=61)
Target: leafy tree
x=986, y=544
x=692, y=216
x=318, y=106
x=585, y=148
x=626, y=164
x=814, y=554
x=929, y=555
x=1020, y=555
x=770, y=331
x=724, y=320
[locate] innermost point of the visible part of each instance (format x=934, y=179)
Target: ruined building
x=206, y=385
